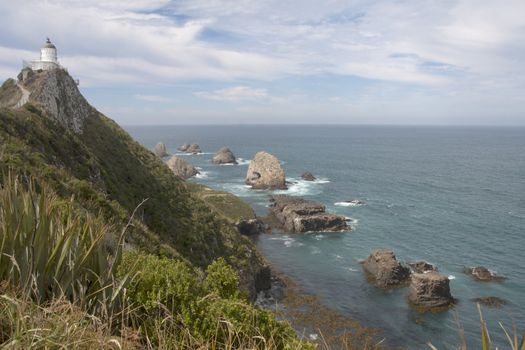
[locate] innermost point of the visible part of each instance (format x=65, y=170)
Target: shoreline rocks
x=224, y=156
x=384, y=269
x=430, y=290
x=251, y=227
x=181, y=168
x=160, y=150
x=265, y=172
x=301, y=215
x=308, y=176
x=482, y=274
x=493, y=302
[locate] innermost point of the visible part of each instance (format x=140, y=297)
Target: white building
x=48, y=58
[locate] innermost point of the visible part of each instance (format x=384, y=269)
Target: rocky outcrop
x=430, y=290
x=160, y=150
x=184, y=147
x=251, y=227
x=54, y=92
x=308, y=176
x=300, y=215
x=494, y=302
x=181, y=168
x=481, y=273
x=263, y=279
x=422, y=267
x=193, y=149
x=224, y=156
x=265, y=172
x=384, y=270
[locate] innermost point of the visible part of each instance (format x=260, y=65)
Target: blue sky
x=301, y=61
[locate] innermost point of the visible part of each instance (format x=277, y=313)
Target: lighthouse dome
x=48, y=52
x=49, y=45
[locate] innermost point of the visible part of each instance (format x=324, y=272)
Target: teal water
x=453, y=196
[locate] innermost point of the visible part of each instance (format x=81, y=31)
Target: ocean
x=453, y=196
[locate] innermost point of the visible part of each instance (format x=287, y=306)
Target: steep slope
x=60, y=139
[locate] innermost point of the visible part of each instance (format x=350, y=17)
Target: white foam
x=287, y=241
x=242, y=161
x=300, y=187
x=319, y=237
x=202, y=175
x=451, y=277
x=352, y=203
x=352, y=269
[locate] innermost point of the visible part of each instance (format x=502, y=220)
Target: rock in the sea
x=193, y=148
x=224, y=156
x=181, y=168
x=160, y=150
x=481, y=273
x=265, y=172
x=494, y=302
x=300, y=215
x=263, y=279
x=184, y=147
x=308, y=176
x=430, y=290
x=384, y=269
x=422, y=267
x=250, y=227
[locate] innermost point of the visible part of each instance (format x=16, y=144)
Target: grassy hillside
x=108, y=172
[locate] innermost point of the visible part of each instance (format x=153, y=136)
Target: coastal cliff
x=61, y=140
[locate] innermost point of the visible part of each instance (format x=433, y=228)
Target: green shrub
x=222, y=279
x=176, y=308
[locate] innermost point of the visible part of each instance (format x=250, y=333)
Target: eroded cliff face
x=57, y=95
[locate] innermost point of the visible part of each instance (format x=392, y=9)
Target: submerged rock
x=160, y=150
x=224, y=156
x=430, y=290
x=301, y=215
x=181, y=168
x=481, y=273
x=265, y=172
x=250, y=227
x=308, y=176
x=422, y=267
x=494, y=302
x=384, y=269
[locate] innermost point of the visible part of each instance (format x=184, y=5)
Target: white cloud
x=234, y=94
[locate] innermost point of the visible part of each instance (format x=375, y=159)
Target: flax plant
x=51, y=249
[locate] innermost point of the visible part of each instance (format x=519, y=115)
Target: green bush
x=177, y=308
x=222, y=280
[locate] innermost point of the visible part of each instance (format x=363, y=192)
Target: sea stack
x=265, y=172
x=181, y=168
x=193, y=149
x=430, y=290
x=224, y=156
x=384, y=269
x=308, y=176
x=160, y=150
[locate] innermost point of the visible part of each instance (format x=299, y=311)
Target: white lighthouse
x=48, y=57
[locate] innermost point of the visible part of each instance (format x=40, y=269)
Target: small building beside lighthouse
x=48, y=58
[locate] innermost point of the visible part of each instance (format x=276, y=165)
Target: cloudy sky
x=277, y=61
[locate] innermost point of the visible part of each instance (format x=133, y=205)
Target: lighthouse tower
x=48, y=57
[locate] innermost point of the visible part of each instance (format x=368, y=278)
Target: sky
x=277, y=61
